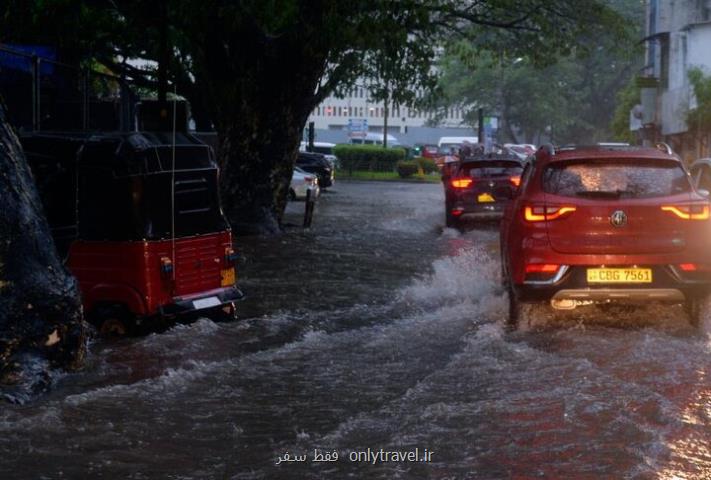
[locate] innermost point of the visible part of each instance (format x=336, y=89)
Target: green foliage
x=570, y=97
x=699, y=118
x=407, y=168
x=368, y=157
x=255, y=69
x=627, y=98
x=426, y=164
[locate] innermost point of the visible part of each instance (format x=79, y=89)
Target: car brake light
x=549, y=212
x=516, y=180
x=689, y=212
x=688, y=267
x=462, y=182
x=542, y=268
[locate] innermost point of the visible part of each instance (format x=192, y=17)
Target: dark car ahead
x=606, y=225
x=317, y=164
x=480, y=187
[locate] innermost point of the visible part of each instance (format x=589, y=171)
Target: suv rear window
x=495, y=168
x=615, y=178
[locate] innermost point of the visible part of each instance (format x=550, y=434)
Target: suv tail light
x=696, y=211
x=516, y=180
x=541, y=213
x=541, y=272
x=462, y=182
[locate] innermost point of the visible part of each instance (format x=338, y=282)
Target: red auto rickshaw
x=137, y=217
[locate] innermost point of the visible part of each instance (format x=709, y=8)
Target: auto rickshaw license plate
x=485, y=198
x=228, y=277
x=619, y=275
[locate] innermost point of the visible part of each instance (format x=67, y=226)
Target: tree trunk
x=259, y=99
x=256, y=167
x=41, y=322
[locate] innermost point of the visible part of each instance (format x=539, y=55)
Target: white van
x=455, y=142
x=375, y=139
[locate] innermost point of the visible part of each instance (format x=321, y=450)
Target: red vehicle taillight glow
x=549, y=212
x=689, y=212
x=516, y=180
x=541, y=271
x=542, y=268
x=462, y=182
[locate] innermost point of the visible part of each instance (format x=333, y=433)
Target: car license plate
x=228, y=277
x=206, y=303
x=619, y=275
x=485, y=198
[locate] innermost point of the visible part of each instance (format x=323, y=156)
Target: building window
x=664, y=67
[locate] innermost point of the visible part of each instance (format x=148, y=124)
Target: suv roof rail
x=664, y=147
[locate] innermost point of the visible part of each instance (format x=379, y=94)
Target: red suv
x=606, y=224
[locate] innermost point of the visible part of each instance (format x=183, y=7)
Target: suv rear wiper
x=601, y=193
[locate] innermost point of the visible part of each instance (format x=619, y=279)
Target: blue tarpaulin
x=18, y=62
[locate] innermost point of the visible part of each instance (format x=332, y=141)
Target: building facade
x=334, y=114
x=678, y=39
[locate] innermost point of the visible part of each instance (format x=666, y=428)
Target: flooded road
x=375, y=332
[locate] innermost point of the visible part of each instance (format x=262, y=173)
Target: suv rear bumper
x=669, y=286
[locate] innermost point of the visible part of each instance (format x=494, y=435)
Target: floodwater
x=379, y=331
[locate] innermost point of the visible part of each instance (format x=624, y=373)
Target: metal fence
x=43, y=94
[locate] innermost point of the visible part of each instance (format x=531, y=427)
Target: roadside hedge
x=407, y=168
x=427, y=164
x=368, y=157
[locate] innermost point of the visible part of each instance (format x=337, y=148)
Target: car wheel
x=695, y=308
x=451, y=220
x=514, y=312
x=292, y=194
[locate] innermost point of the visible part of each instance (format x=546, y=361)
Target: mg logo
x=618, y=218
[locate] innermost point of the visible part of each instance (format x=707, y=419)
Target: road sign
x=357, y=127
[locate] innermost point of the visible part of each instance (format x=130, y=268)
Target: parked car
x=426, y=150
x=301, y=182
x=317, y=164
x=480, y=187
x=374, y=139
x=324, y=148
x=605, y=225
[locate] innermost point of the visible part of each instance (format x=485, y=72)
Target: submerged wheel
x=450, y=220
x=514, y=311
x=112, y=320
x=113, y=327
x=694, y=308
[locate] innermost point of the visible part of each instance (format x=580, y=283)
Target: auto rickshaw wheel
x=112, y=320
x=113, y=327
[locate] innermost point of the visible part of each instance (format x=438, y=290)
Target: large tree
x=257, y=68
x=40, y=312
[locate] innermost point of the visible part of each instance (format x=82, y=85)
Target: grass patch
x=386, y=176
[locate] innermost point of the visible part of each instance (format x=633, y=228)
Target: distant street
x=377, y=334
